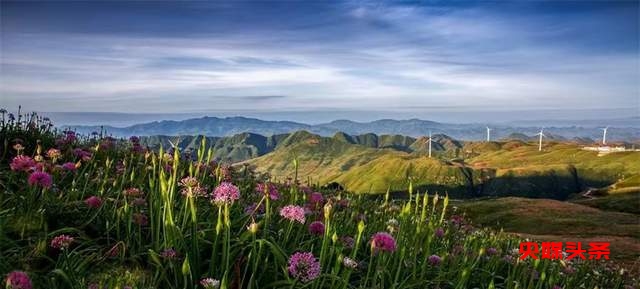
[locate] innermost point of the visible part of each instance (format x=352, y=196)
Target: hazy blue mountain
x=359, y=131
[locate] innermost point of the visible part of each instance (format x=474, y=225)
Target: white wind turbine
x=604, y=135
x=488, y=134
x=540, y=142
x=429, y=140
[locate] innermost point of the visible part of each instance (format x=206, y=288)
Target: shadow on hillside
x=559, y=187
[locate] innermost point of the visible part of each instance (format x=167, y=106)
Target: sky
x=302, y=60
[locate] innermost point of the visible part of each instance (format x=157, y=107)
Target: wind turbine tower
x=540, y=141
x=604, y=135
x=429, y=140
x=488, y=134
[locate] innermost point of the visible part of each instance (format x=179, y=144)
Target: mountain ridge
x=212, y=126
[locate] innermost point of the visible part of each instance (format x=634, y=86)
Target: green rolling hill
x=505, y=168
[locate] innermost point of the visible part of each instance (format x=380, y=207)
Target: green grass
x=627, y=202
x=555, y=220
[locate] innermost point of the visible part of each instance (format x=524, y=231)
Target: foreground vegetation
x=96, y=212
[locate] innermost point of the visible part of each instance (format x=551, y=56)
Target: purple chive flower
x=210, y=283
x=316, y=228
x=382, y=241
x=93, y=202
x=293, y=213
x=93, y=286
x=82, y=154
x=439, y=233
x=316, y=198
x=169, y=254
x=134, y=139
x=40, y=179
x=492, y=251
x=140, y=219
x=18, y=280
x=226, y=193
x=69, y=166
x=347, y=242
x=22, y=164
x=557, y=287
x=253, y=208
x=62, y=242
x=434, y=260
x=304, y=266
x=268, y=188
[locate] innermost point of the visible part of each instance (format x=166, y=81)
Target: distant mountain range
x=220, y=127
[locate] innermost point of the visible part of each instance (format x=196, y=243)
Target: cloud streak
x=345, y=56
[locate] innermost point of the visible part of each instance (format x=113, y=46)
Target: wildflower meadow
x=92, y=211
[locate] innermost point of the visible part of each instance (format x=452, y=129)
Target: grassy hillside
x=552, y=220
x=494, y=168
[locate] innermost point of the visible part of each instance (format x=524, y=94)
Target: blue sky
x=200, y=57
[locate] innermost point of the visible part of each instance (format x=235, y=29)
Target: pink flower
x=69, y=166
x=293, y=213
x=54, y=153
x=18, y=280
x=439, y=232
x=41, y=179
x=226, y=193
x=93, y=202
x=316, y=228
x=304, y=266
x=434, y=260
x=382, y=241
x=22, y=164
x=62, y=242
x=268, y=188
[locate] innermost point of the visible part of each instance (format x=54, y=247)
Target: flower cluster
x=22, y=164
x=18, y=280
x=382, y=241
x=40, y=179
x=191, y=187
x=62, y=242
x=210, y=283
x=316, y=228
x=93, y=202
x=226, y=193
x=293, y=213
x=268, y=188
x=349, y=263
x=304, y=266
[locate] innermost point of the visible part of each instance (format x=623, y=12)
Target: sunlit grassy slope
x=554, y=220
x=357, y=167
x=497, y=168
